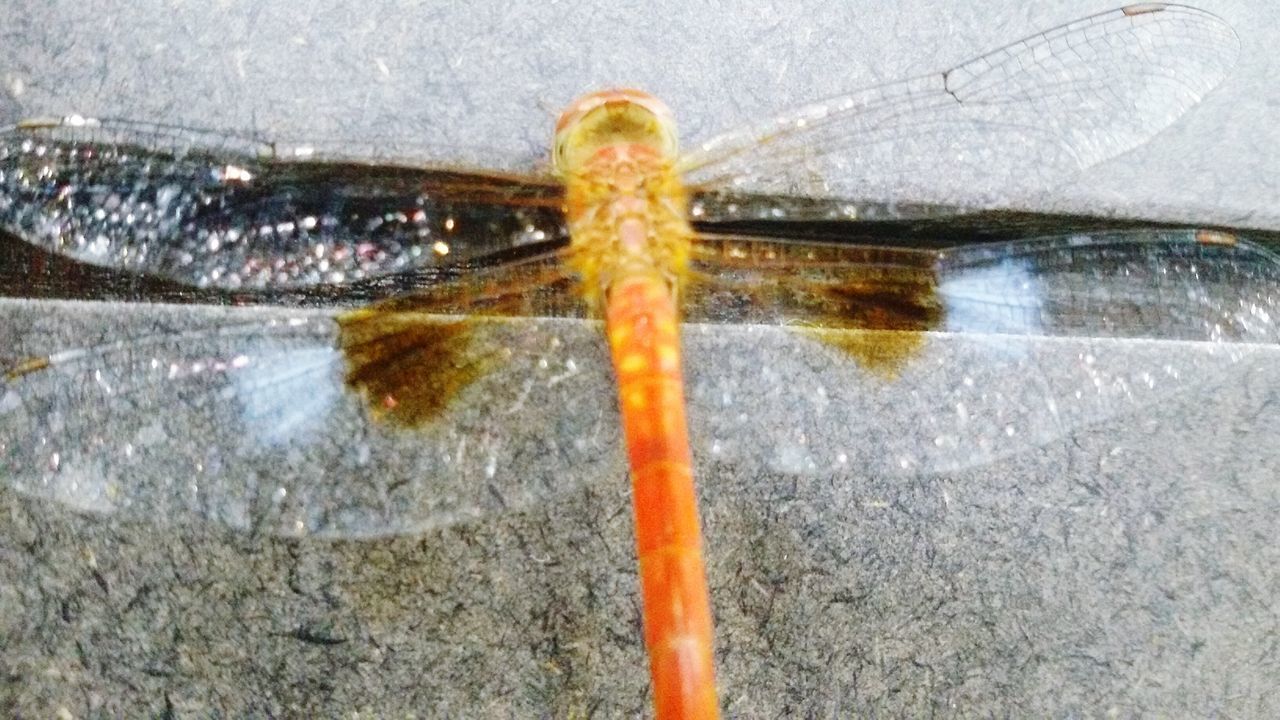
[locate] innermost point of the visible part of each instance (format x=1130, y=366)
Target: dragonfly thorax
x=625, y=203
x=627, y=213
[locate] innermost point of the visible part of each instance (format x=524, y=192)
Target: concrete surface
x=1123, y=565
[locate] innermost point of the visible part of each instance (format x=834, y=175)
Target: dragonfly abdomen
x=645, y=342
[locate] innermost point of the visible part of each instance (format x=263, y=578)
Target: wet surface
x=1060, y=568
x=1111, y=555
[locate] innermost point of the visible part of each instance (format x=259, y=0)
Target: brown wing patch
x=411, y=357
x=410, y=366
x=883, y=352
x=881, y=322
x=873, y=303
x=23, y=367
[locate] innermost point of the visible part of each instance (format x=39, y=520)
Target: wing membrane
x=1023, y=117
x=1027, y=341
x=206, y=210
x=409, y=413
x=249, y=417
x=1181, y=284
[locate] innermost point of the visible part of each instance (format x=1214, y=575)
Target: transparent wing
x=384, y=419
x=210, y=210
x=1023, y=117
x=946, y=359
x=251, y=418
x=964, y=401
x=246, y=417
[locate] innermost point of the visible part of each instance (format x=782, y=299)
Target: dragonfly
x=418, y=340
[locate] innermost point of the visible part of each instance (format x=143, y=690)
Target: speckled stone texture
x=1125, y=566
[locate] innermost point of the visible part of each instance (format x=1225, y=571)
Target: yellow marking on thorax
x=626, y=212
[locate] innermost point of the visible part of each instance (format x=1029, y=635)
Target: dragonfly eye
x=612, y=118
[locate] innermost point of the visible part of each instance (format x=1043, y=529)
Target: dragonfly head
x=609, y=118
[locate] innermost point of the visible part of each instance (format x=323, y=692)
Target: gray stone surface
x=1123, y=565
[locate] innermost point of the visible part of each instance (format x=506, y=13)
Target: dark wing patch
x=874, y=303
x=411, y=356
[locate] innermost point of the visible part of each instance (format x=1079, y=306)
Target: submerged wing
x=391, y=419
x=1157, y=283
x=1022, y=117
x=383, y=420
x=209, y=210
x=1031, y=340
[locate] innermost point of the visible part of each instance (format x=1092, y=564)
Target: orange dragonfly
x=327, y=418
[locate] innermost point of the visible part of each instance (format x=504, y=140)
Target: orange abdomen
x=644, y=339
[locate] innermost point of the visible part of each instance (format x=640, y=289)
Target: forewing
x=210, y=210
x=1023, y=117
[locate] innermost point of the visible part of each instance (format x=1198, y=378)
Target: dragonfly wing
x=268, y=419
x=965, y=401
x=1159, y=284
x=1027, y=115
x=995, y=349
x=1085, y=328
x=209, y=210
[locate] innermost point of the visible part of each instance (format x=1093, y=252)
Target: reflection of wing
x=211, y=211
x=1024, y=116
x=1031, y=350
